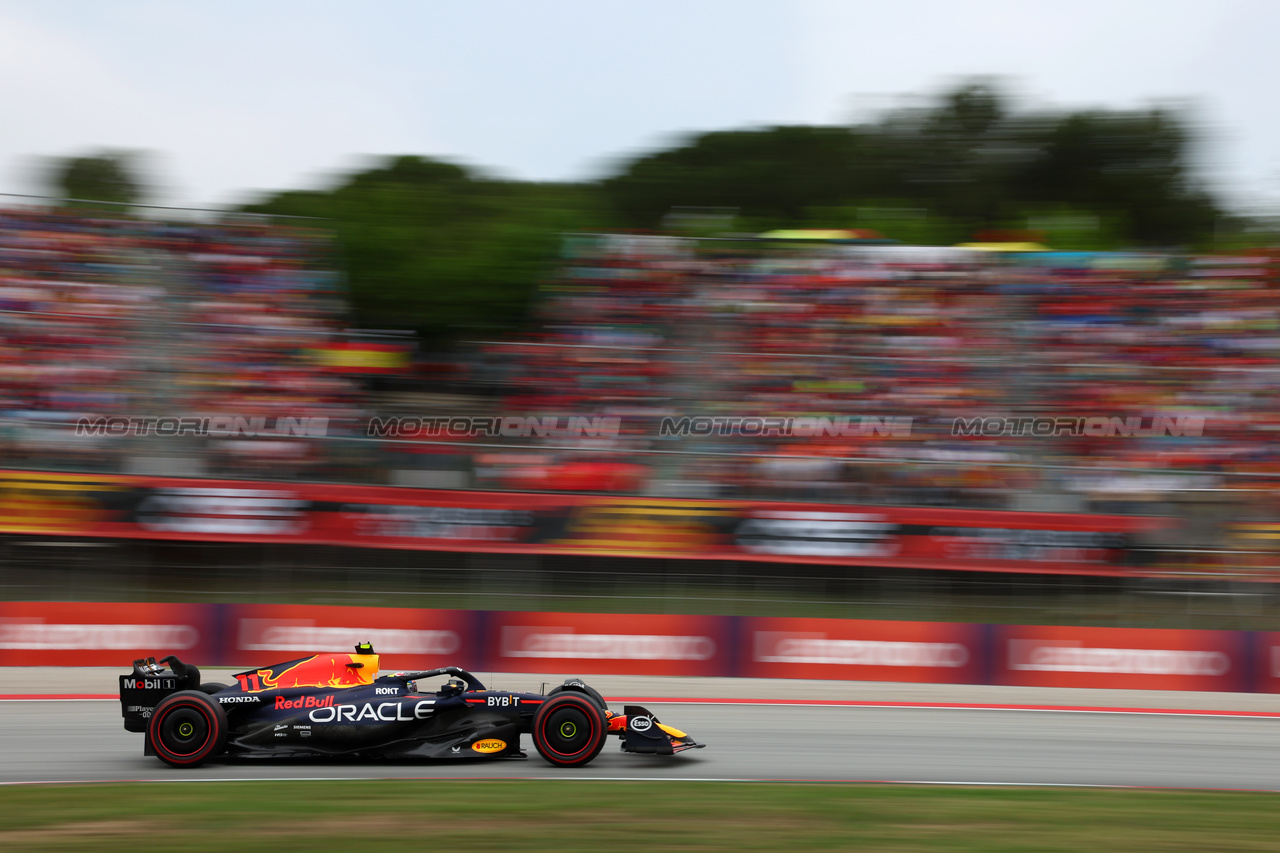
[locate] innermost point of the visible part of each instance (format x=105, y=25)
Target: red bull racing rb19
x=338, y=704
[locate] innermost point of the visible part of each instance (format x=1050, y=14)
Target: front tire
x=569, y=730
x=585, y=690
x=187, y=728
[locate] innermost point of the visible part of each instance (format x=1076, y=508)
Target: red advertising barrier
x=554, y=644
x=1121, y=658
x=75, y=634
x=609, y=643
x=405, y=638
x=497, y=522
x=1267, y=662
x=48, y=504
x=862, y=650
x=930, y=538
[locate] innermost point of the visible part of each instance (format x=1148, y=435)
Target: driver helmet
x=453, y=687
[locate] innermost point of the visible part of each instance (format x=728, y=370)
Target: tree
x=452, y=253
x=1130, y=165
x=432, y=246
x=109, y=176
x=967, y=158
x=771, y=176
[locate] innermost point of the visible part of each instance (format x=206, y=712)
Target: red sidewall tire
x=569, y=730
x=187, y=728
x=585, y=691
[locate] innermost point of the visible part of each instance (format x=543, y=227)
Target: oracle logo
x=384, y=712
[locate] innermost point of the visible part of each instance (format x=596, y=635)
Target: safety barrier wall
x=248, y=635
x=191, y=510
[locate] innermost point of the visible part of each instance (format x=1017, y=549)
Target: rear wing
x=142, y=689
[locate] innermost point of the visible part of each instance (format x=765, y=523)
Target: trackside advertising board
x=116, y=634
x=1267, y=661
x=862, y=650
x=405, y=638
x=195, y=510
x=610, y=643
x=568, y=644
x=1122, y=658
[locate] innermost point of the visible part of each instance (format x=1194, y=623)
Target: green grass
x=623, y=816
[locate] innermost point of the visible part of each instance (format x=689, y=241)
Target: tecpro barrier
x=245, y=635
x=411, y=638
x=862, y=650
x=169, y=509
x=76, y=634
x=619, y=644
x=1132, y=658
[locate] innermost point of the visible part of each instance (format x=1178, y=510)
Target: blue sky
x=232, y=97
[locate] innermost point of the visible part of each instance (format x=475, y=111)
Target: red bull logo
x=327, y=670
x=284, y=704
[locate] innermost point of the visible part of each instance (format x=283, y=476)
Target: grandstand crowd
x=109, y=315
x=651, y=329
x=105, y=316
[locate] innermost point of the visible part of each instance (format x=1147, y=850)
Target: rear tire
x=187, y=728
x=569, y=730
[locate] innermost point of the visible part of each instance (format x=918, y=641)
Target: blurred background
x=238, y=362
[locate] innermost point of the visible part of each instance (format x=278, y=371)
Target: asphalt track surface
x=60, y=740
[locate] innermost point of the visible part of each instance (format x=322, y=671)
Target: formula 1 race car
x=337, y=704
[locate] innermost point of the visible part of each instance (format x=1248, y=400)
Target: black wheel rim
x=183, y=731
x=568, y=731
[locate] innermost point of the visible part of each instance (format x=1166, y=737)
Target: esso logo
x=641, y=724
